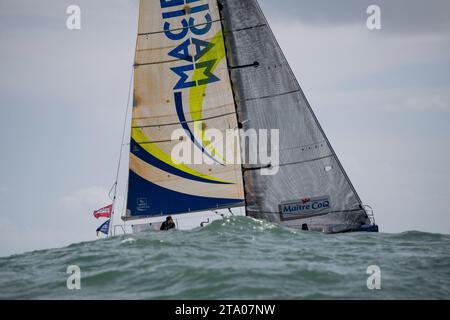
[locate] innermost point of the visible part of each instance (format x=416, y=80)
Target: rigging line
x=130, y=88
x=123, y=207
x=121, y=151
x=111, y=190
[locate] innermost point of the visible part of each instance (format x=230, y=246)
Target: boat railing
x=120, y=228
x=370, y=214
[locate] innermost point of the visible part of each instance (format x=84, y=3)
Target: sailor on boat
x=168, y=224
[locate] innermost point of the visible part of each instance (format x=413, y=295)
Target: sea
x=236, y=258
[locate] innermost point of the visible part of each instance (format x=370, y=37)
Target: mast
x=122, y=144
x=220, y=6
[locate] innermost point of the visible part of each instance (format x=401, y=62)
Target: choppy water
x=237, y=258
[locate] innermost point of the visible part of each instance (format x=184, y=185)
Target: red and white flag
x=104, y=212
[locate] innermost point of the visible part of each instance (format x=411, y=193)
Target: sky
x=382, y=97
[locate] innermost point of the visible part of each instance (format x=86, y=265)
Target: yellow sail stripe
x=217, y=53
x=145, y=143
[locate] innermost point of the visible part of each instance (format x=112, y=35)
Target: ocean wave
x=235, y=258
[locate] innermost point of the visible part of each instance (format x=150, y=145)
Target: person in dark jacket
x=168, y=224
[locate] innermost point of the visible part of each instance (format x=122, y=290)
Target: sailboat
x=215, y=64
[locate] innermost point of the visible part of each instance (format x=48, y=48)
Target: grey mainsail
x=268, y=96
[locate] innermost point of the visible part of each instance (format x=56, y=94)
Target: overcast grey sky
x=383, y=98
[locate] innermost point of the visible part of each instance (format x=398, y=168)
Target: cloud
x=398, y=17
x=17, y=238
x=336, y=55
x=3, y=197
x=351, y=68
x=382, y=101
x=69, y=220
x=85, y=199
x=64, y=66
x=425, y=101
x=80, y=204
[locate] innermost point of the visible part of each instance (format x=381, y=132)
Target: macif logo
x=191, y=49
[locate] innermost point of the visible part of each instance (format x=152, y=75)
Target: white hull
x=183, y=221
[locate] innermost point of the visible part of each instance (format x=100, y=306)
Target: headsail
x=311, y=186
x=181, y=81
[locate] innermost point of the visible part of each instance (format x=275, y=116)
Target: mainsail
x=181, y=81
x=268, y=96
